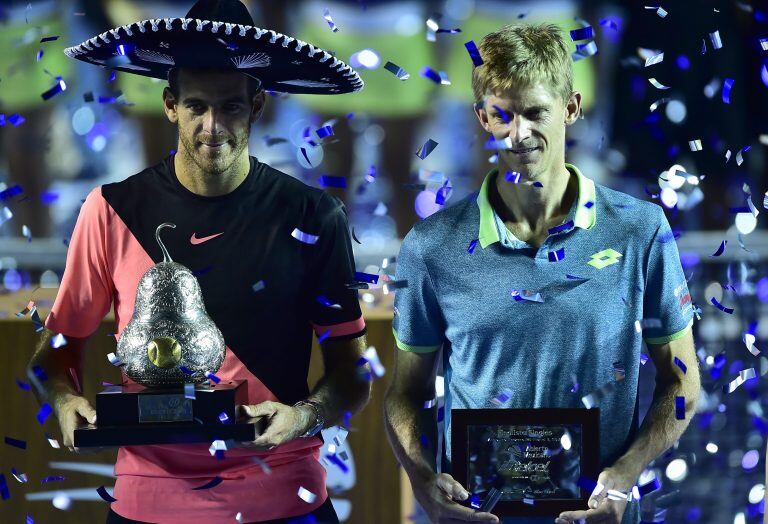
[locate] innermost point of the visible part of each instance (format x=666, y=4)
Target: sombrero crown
x=219, y=34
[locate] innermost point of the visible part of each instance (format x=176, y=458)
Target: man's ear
x=573, y=108
x=257, y=107
x=169, y=106
x=482, y=115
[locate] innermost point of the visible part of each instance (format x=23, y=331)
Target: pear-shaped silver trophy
x=171, y=349
x=170, y=339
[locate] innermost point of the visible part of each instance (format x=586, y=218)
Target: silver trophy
x=171, y=349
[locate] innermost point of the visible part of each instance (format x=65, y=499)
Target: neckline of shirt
x=241, y=188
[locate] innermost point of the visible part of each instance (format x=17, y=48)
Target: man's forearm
x=341, y=392
x=55, y=365
x=412, y=433
x=660, y=428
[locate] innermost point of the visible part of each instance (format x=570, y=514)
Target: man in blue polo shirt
x=540, y=287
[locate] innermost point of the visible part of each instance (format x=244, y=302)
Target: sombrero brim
x=283, y=64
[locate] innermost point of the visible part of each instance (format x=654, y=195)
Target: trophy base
x=134, y=415
x=162, y=433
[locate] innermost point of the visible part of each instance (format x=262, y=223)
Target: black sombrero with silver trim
x=219, y=34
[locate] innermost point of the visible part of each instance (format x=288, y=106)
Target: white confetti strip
x=655, y=59
x=749, y=341
x=301, y=236
x=306, y=495
x=695, y=145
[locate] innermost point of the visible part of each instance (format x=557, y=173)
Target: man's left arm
x=659, y=431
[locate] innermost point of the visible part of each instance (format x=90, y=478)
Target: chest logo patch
x=604, y=258
x=195, y=241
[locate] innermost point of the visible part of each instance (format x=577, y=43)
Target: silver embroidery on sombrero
x=306, y=83
x=252, y=60
x=155, y=56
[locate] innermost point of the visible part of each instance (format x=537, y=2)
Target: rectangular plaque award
x=530, y=460
x=136, y=415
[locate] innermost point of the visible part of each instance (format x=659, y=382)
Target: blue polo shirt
x=534, y=322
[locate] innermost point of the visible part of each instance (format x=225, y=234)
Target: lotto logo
x=604, y=258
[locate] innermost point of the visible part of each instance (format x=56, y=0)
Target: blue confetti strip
x=366, y=277
x=22, y=385
x=721, y=249
x=186, y=370
x=503, y=114
x=215, y=481
x=472, y=246
x=562, y=227
x=649, y=487
x=556, y=256
x=21, y=444
x=430, y=74
x=212, y=377
x=681, y=365
x=104, y=494
x=336, y=460
x=727, y=85
x=513, y=177
x=721, y=307
x=398, y=71
x=52, y=478
x=426, y=149
x=333, y=181
x=680, y=408
x=323, y=336
x=11, y=192
x=474, y=53
x=583, y=33
x=324, y=131
x=55, y=90
x=43, y=413
x=4, y=493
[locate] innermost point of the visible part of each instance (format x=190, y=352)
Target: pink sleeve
x=86, y=290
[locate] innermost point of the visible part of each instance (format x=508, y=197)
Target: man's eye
x=233, y=107
x=195, y=107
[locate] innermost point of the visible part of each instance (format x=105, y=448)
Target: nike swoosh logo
x=195, y=241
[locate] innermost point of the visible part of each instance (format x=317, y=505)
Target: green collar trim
x=585, y=217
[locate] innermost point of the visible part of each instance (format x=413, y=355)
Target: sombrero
x=219, y=34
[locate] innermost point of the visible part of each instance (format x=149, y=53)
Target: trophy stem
x=166, y=256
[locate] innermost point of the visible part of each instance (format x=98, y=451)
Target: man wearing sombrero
x=273, y=258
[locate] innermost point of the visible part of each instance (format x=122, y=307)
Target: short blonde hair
x=521, y=55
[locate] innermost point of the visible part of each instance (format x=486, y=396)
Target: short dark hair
x=254, y=84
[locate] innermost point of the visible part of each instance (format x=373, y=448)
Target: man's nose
x=212, y=121
x=519, y=129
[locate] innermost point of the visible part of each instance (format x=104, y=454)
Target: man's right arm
x=410, y=426
x=63, y=368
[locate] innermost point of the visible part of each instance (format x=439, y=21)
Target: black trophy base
x=161, y=433
x=135, y=415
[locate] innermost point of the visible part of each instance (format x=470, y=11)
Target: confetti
x=215, y=481
x=324, y=131
x=333, y=181
x=398, y=71
x=58, y=341
x=224, y=418
x=39, y=373
x=53, y=478
x=372, y=358
x=749, y=341
x=25, y=231
x=428, y=404
x=717, y=42
x=43, y=413
x=394, y=284
x=331, y=24
x=654, y=106
x=739, y=155
x=654, y=59
x=186, y=370
x=727, y=85
x=764, y=44
x=55, y=90
x=104, y=494
x=593, y=399
x=20, y=477
x=512, y=177
x=583, y=33
x=502, y=398
x=562, y=227
x=659, y=10
x=584, y=51
x=500, y=144
x=474, y=53
x=370, y=278
x=721, y=307
x=556, y=256
x=531, y=296
x=258, y=286
x=323, y=336
x=610, y=24
x=327, y=303
x=681, y=365
x=426, y=149
x=306, y=495
x=114, y=360
x=695, y=145
x=22, y=385
x=720, y=250
x=336, y=460
x=189, y=390
x=502, y=114
x=744, y=375
x=473, y=244
x=5, y=494
x=306, y=238
x=658, y=85
x=21, y=444
x=212, y=377
x=5, y=215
